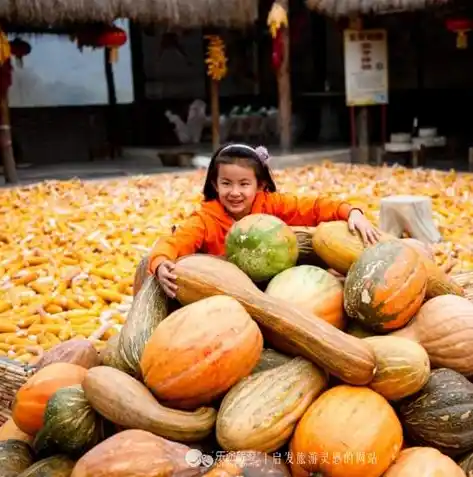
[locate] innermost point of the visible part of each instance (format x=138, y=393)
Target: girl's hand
x=358, y=222
x=166, y=278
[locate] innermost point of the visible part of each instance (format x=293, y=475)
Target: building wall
x=65, y=134
x=429, y=78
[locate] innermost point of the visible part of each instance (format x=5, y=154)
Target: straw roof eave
x=345, y=8
x=179, y=13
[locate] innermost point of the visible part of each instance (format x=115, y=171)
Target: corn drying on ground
x=68, y=250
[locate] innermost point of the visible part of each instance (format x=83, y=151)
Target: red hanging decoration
x=460, y=26
x=277, y=56
x=19, y=49
x=111, y=37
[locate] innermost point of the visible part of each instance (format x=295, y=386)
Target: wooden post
x=9, y=166
x=362, y=124
x=284, y=89
x=215, y=109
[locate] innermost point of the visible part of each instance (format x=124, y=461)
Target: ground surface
x=74, y=245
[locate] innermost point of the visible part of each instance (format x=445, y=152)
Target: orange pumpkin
x=444, y=327
x=9, y=430
x=31, y=399
x=200, y=351
x=313, y=289
x=386, y=286
x=347, y=432
x=424, y=462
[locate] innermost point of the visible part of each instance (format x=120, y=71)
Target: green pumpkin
x=71, y=426
x=55, y=466
x=262, y=246
x=15, y=457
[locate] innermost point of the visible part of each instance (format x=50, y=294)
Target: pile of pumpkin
x=364, y=374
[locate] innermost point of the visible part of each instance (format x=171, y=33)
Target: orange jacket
x=206, y=229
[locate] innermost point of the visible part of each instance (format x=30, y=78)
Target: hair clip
x=263, y=154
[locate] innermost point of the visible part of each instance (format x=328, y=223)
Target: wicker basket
x=13, y=375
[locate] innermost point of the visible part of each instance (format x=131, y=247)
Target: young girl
x=239, y=183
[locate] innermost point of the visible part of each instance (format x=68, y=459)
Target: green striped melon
x=262, y=246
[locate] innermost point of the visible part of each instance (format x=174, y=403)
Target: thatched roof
x=183, y=13
x=339, y=8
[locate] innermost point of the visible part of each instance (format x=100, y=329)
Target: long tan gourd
x=347, y=357
x=126, y=402
x=136, y=453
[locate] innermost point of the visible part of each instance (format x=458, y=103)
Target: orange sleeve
x=306, y=210
x=186, y=239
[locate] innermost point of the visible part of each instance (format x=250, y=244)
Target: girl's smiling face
x=236, y=187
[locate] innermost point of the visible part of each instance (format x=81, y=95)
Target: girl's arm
x=306, y=210
x=186, y=239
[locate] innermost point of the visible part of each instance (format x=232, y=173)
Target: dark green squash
x=55, y=466
x=385, y=286
x=149, y=308
x=270, y=359
x=15, y=457
x=440, y=415
x=71, y=426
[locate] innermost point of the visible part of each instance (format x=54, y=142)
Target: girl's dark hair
x=233, y=154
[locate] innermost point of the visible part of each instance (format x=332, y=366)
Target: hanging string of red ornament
x=18, y=49
x=105, y=36
x=299, y=23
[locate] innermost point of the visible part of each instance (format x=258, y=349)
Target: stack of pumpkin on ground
x=351, y=370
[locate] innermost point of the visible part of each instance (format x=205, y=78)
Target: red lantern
x=113, y=38
x=278, y=50
x=19, y=49
x=460, y=26
x=102, y=37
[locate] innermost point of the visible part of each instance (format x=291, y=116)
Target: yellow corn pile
x=68, y=250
